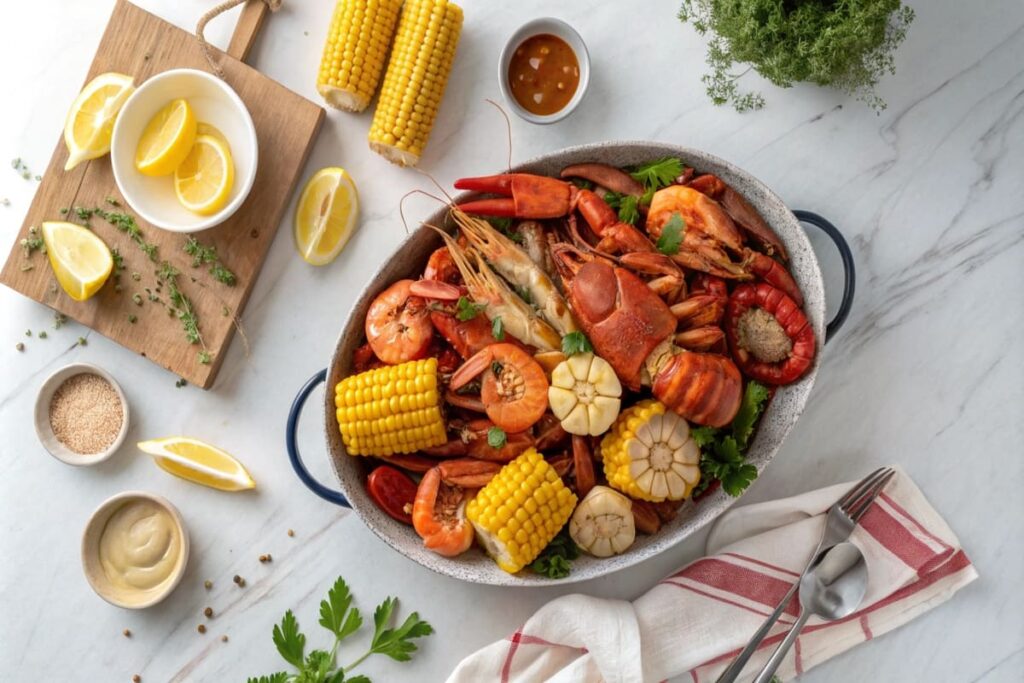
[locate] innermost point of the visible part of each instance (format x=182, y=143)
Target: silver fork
x=839, y=524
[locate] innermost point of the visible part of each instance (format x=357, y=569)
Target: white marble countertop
x=927, y=373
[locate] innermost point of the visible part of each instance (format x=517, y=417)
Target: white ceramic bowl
x=93, y=567
x=42, y=416
x=560, y=29
x=215, y=103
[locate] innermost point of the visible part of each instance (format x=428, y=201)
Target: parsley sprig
x=671, y=235
x=555, y=561
x=341, y=618
x=576, y=342
x=465, y=309
x=658, y=174
x=723, y=451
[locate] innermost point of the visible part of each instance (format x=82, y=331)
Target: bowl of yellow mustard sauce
x=135, y=549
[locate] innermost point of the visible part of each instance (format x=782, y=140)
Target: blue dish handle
x=849, y=271
x=330, y=495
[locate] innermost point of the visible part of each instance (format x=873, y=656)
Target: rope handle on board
x=272, y=5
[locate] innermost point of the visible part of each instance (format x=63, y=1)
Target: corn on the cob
x=649, y=454
x=394, y=409
x=355, y=50
x=414, y=83
x=518, y=513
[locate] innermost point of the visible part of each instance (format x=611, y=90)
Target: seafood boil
x=580, y=357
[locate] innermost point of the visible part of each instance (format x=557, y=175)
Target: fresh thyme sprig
x=202, y=254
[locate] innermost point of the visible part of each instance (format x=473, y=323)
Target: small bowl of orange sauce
x=544, y=70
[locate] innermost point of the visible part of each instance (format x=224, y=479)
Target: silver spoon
x=832, y=589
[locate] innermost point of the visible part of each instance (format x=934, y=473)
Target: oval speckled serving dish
x=408, y=261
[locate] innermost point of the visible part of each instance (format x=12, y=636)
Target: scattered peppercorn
x=224, y=639
x=291, y=532
x=19, y=346
x=180, y=383
x=236, y=578
x=266, y=558
x=136, y=678
x=127, y=633
x=208, y=612
x=207, y=584
x=201, y=628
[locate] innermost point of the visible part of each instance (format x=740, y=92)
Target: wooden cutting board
x=142, y=45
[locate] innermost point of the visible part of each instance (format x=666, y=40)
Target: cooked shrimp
x=487, y=288
x=514, y=390
x=518, y=268
x=398, y=325
x=439, y=515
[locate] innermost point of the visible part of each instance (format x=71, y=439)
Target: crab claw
x=524, y=195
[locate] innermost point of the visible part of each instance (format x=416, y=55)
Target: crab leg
x=524, y=195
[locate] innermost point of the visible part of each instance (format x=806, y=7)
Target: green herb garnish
x=33, y=242
x=845, y=45
x=723, y=453
x=338, y=616
x=498, y=328
x=465, y=309
x=576, y=342
x=524, y=294
x=202, y=254
x=555, y=561
x=658, y=174
x=671, y=235
x=504, y=226
x=496, y=437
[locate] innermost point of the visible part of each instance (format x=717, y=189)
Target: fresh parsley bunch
x=723, y=451
x=338, y=616
x=847, y=45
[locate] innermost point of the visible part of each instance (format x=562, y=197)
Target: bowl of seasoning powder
x=81, y=414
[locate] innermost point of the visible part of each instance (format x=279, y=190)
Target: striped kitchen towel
x=695, y=621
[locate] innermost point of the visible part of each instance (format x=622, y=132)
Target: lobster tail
x=704, y=388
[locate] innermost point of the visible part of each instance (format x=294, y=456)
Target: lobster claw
x=524, y=195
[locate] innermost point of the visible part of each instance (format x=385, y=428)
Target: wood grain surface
x=140, y=44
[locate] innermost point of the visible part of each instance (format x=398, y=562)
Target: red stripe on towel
x=781, y=570
x=740, y=581
x=864, y=626
x=920, y=527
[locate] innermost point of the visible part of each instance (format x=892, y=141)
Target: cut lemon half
x=166, y=140
x=204, y=179
x=199, y=463
x=80, y=259
x=90, y=120
x=207, y=129
x=325, y=216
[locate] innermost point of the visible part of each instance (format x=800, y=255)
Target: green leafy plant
x=847, y=45
x=338, y=616
x=466, y=309
x=576, y=342
x=555, y=561
x=671, y=235
x=723, y=451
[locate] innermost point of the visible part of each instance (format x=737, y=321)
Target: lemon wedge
x=90, y=120
x=166, y=140
x=80, y=259
x=207, y=129
x=325, y=216
x=198, y=462
x=204, y=179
